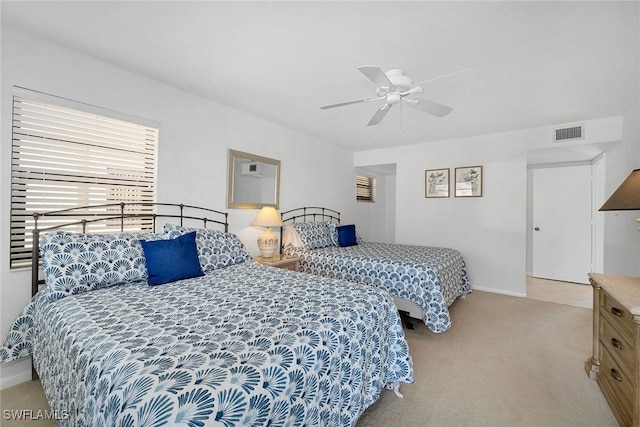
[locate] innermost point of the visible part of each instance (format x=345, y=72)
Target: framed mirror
x=253, y=181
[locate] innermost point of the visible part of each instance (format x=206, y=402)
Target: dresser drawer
x=619, y=317
x=615, y=354
x=617, y=344
x=617, y=388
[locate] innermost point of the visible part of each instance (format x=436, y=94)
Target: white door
x=562, y=223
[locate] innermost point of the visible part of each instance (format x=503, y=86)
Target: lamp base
x=267, y=243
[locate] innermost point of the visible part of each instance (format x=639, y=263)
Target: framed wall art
x=468, y=181
x=436, y=183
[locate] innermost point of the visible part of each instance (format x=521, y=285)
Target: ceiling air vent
x=569, y=134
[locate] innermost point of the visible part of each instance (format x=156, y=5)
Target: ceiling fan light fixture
x=399, y=80
x=393, y=98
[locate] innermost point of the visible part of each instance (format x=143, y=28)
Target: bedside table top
x=277, y=259
x=625, y=290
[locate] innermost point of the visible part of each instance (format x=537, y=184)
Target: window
x=65, y=155
x=365, y=188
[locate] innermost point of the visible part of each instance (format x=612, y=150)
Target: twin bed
x=237, y=344
x=424, y=281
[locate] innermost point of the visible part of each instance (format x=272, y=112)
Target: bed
x=424, y=281
x=238, y=343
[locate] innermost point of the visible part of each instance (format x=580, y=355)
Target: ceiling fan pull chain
x=401, y=121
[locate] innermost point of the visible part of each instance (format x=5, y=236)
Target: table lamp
x=267, y=241
x=627, y=196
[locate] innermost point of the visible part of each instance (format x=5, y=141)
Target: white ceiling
x=538, y=63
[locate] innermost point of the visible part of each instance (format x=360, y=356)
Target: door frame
x=598, y=172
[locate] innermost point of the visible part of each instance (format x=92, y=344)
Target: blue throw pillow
x=172, y=259
x=347, y=235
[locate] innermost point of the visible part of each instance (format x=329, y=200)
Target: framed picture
x=469, y=181
x=436, y=183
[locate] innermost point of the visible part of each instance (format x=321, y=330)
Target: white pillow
x=291, y=238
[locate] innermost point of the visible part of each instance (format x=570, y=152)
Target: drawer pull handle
x=615, y=375
x=616, y=343
x=616, y=311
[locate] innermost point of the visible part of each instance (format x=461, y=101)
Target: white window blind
x=365, y=188
x=65, y=158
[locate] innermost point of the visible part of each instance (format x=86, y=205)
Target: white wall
x=621, y=236
x=390, y=208
x=373, y=220
x=489, y=231
x=195, y=134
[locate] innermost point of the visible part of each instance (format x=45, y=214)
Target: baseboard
x=499, y=291
x=14, y=373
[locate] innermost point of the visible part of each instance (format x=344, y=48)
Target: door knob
x=537, y=229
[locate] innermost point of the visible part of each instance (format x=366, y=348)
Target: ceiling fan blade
x=376, y=75
x=379, y=115
x=430, y=107
x=459, y=77
x=355, y=101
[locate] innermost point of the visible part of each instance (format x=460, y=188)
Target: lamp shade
x=267, y=242
x=627, y=196
x=267, y=217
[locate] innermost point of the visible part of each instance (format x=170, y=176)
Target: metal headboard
x=85, y=216
x=307, y=214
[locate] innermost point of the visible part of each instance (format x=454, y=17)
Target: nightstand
x=280, y=261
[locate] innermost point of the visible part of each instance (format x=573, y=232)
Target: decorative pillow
x=347, y=235
x=216, y=249
x=74, y=263
x=290, y=237
x=333, y=232
x=172, y=259
x=314, y=235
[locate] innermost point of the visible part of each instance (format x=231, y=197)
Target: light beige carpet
x=506, y=361
x=24, y=405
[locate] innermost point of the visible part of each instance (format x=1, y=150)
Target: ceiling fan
x=394, y=87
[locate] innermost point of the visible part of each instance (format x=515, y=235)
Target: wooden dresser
x=615, y=359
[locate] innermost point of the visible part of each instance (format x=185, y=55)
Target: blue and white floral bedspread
x=244, y=345
x=431, y=277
